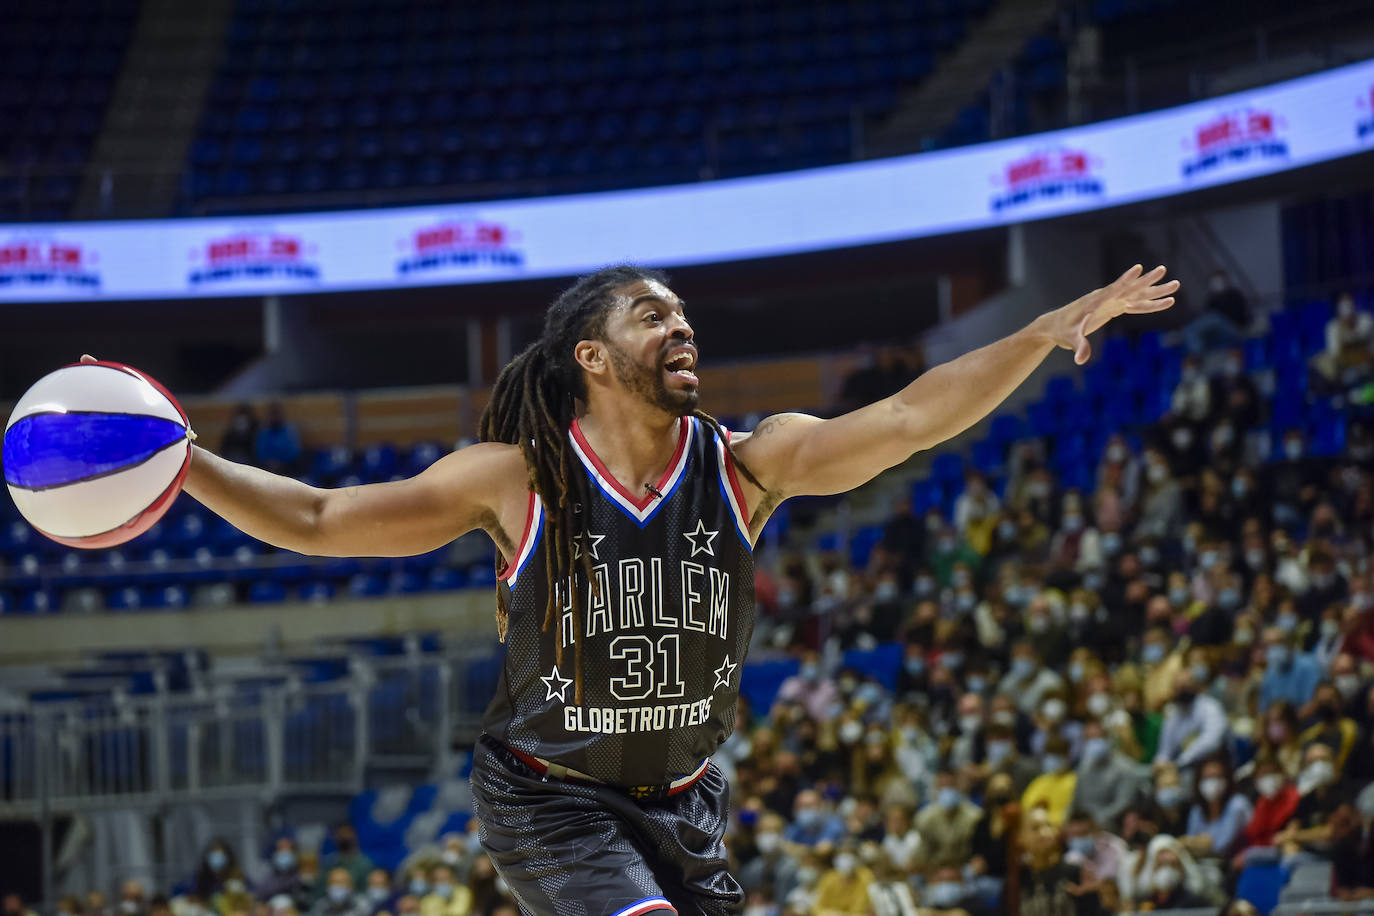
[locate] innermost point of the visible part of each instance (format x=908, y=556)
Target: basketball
x=94, y=453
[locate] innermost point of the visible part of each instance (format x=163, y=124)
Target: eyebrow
x=653, y=297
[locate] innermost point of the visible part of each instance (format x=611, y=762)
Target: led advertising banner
x=1226, y=139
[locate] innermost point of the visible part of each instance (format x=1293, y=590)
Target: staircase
x=138, y=158
x=926, y=110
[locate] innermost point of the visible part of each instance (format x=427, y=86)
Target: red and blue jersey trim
x=640, y=509
x=529, y=541
x=646, y=905
x=731, y=490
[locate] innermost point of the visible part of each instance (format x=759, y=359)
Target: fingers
x=1082, y=349
x=1150, y=305
x=88, y=358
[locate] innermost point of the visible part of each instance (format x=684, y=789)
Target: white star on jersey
x=556, y=691
x=701, y=539
x=594, y=540
x=724, y=673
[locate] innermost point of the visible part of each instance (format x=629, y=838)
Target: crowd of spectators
x=1152, y=695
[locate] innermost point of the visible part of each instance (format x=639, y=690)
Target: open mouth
x=681, y=365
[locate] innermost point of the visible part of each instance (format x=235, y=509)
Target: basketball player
x=624, y=519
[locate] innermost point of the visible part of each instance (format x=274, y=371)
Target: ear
x=591, y=356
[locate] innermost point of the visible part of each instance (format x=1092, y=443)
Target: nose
x=681, y=330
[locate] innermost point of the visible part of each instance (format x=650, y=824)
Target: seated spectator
x=1100, y=854
x=446, y=897
x=1278, y=799
x=946, y=825
x=1349, y=344
x=991, y=835
x=946, y=894
x=340, y=899
x=1195, y=726
x=1321, y=792
x=216, y=866
x=844, y=887
x=1280, y=739
x=278, y=446
x=283, y=875
x=1224, y=317
x=1330, y=725
x=810, y=687
x=1048, y=884
x=1345, y=674
x=378, y=897
x=1169, y=801
x=310, y=882
x=811, y=824
x=240, y=436
x=1237, y=396
x=1352, y=849
x=1053, y=789
x=1218, y=817
x=1288, y=674
x=1028, y=680
x=1168, y=888
x=901, y=841
x=774, y=869
x=1108, y=781
x=1003, y=757
x=976, y=511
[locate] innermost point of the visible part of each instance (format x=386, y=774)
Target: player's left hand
x=1132, y=293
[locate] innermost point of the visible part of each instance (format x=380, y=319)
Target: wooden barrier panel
x=404, y=417
x=320, y=418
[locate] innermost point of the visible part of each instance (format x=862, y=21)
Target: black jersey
x=663, y=642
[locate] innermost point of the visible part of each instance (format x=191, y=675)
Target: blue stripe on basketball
x=46, y=450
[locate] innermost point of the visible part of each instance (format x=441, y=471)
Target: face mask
x=1244, y=637
x=128, y=906
x=1076, y=672
x=235, y=886
x=976, y=684
x=806, y=876
x=1278, y=732
x=1254, y=558
x=1212, y=787
x=851, y=732
x=1331, y=628
x=1207, y=559
x=419, y=887
x=1149, y=556
x=768, y=842
x=1347, y=684
x=845, y=862
x=449, y=857
x=1095, y=749
x=869, y=694
x=1157, y=473
x=945, y=895
x=1167, y=878
x=998, y=751
x=1183, y=438
x=443, y=890
x=1051, y=763
x=1083, y=845
x=1276, y=656
x=915, y=664
x=1223, y=436
x=1200, y=673
x=1232, y=367
x=338, y=893
x=284, y=859
x=847, y=685
x=949, y=798
x=1098, y=704
x=1006, y=530
x=966, y=601
x=1178, y=596
x=1039, y=624
x=1054, y=709
x=961, y=578
x=1116, y=452
x=1269, y=784
x=1169, y=796
x=1315, y=775
x=886, y=591
x=378, y=894
x=1111, y=542
x=970, y=724
x=1189, y=544
x=808, y=817
x=925, y=586
x=946, y=545
x=1073, y=523
x=1004, y=717
x=216, y=860
x=1022, y=667
x=1152, y=654
x=952, y=660
x=1287, y=622
x=1229, y=599
x=1293, y=449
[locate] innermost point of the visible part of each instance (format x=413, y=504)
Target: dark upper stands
x=58, y=64
x=533, y=98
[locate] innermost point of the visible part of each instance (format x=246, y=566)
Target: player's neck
x=634, y=442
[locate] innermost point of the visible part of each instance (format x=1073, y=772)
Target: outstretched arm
x=795, y=454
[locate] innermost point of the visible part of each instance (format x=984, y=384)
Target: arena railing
x=224, y=743
x=1318, y=907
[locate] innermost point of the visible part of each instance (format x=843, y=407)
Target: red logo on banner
x=1235, y=137
x=43, y=262
x=253, y=256
x=459, y=243
x=1050, y=174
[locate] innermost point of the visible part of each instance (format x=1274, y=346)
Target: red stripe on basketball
x=139, y=375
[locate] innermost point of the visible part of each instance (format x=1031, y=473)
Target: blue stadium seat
x=266, y=591
x=364, y=585
x=317, y=592
x=445, y=579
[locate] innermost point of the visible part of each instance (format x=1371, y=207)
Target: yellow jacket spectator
x=1053, y=789
x=843, y=890
x=447, y=897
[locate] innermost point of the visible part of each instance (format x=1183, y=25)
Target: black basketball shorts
x=574, y=849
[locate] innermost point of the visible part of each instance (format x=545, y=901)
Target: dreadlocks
x=532, y=406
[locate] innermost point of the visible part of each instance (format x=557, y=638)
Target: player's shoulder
x=488, y=464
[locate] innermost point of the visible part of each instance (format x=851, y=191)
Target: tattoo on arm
x=772, y=424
